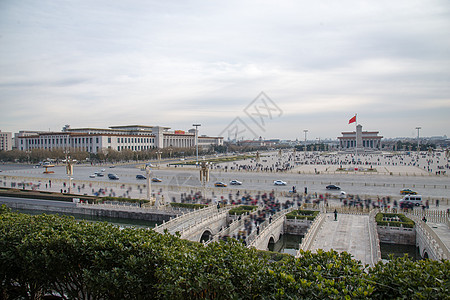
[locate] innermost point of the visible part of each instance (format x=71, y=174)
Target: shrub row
x=303, y=214
x=188, y=205
x=404, y=221
x=241, y=209
x=50, y=255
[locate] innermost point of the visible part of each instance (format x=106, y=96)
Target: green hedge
x=123, y=199
x=303, y=214
x=188, y=205
x=404, y=221
x=47, y=254
x=241, y=209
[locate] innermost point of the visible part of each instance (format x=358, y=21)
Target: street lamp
x=196, y=137
x=305, y=131
x=418, y=141
x=149, y=187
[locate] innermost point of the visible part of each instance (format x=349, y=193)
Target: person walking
x=335, y=214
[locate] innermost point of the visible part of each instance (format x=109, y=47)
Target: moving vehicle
x=407, y=192
x=235, y=182
x=220, y=184
x=92, y=176
x=99, y=174
x=139, y=176
x=415, y=199
x=156, y=179
x=113, y=176
x=279, y=182
x=332, y=187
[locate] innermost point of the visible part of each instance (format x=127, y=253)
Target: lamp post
x=204, y=176
x=305, y=131
x=149, y=187
x=158, y=153
x=196, y=138
x=418, y=141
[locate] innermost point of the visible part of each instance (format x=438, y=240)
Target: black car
x=333, y=187
x=113, y=176
x=139, y=176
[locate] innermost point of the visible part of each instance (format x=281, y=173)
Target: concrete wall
x=147, y=216
x=296, y=227
x=396, y=235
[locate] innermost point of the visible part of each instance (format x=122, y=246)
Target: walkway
x=349, y=233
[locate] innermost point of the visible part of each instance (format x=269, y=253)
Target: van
x=415, y=199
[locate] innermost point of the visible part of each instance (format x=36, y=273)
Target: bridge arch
x=206, y=236
x=271, y=243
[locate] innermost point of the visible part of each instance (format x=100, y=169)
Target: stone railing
x=433, y=243
x=373, y=238
x=203, y=222
x=310, y=236
x=173, y=223
x=264, y=225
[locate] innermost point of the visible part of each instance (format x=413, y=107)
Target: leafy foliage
x=45, y=254
x=188, y=205
x=241, y=209
x=383, y=219
x=303, y=214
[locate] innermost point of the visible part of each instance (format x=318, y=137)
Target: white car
x=235, y=182
x=279, y=182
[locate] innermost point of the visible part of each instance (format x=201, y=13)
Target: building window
x=109, y=140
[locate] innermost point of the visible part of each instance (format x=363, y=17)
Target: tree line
x=48, y=255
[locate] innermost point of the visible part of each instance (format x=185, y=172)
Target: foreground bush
x=45, y=254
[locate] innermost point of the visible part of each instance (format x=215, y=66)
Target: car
x=220, y=184
x=279, y=182
x=100, y=174
x=139, y=176
x=113, y=176
x=92, y=176
x=332, y=187
x=156, y=179
x=235, y=182
x=415, y=199
x=407, y=192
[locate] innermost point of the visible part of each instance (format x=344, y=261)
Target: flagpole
x=356, y=135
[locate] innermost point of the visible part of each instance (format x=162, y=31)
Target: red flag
x=352, y=120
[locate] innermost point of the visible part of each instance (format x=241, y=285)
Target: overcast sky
x=94, y=63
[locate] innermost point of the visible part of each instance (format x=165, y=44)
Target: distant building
x=119, y=138
x=6, y=142
x=360, y=140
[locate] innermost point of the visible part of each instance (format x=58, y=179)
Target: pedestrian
x=335, y=214
x=437, y=202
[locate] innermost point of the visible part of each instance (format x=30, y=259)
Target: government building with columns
x=361, y=141
x=119, y=138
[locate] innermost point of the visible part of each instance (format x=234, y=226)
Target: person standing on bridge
x=335, y=214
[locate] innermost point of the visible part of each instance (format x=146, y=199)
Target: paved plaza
x=349, y=233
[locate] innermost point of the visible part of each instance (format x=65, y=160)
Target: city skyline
x=98, y=63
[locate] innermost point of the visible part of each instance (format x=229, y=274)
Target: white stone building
x=119, y=138
x=360, y=140
x=6, y=142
